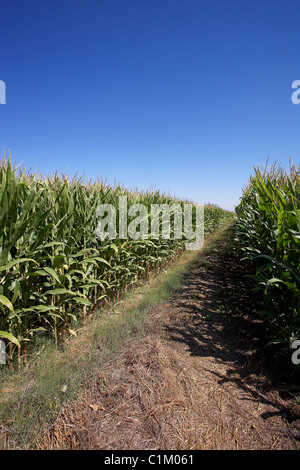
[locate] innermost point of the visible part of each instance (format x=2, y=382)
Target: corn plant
x=268, y=232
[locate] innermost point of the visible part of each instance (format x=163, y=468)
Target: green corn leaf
x=4, y=301
x=10, y=337
x=82, y=301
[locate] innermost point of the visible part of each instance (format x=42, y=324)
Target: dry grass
x=185, y=384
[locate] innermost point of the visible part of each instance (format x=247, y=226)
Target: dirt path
x=199, y=378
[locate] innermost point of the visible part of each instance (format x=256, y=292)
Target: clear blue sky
x=183, y=95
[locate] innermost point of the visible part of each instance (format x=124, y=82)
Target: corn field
x=54, y=271
x=268, y=232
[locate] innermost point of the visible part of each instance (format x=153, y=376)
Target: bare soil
x=200, y=377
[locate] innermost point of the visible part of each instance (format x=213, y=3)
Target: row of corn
x=53, y=268
x=268, y=232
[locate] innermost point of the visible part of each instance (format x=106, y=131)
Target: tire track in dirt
x=199, y=378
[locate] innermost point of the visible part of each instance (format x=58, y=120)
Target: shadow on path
x=217, y=319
